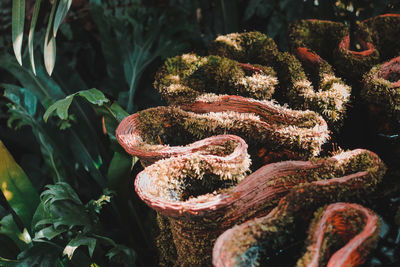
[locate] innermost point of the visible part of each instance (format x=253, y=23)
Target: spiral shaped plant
x=253, y=241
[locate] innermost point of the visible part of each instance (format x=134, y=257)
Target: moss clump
x=183, y=78
x=253, y=47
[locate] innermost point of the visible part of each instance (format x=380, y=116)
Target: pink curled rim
x=368, y=48
x=348, y=255
x=129, y=137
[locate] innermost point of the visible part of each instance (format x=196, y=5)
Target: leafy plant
x=57, y=14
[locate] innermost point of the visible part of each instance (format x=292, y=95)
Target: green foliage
x=16, y=187
x=94, y=96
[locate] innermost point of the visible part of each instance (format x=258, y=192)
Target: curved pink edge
x=247, y=195
x=389, y=67
x=351, y=251
x=381, y=16
x=128, y=134
x=368, y=48
x=225, y=258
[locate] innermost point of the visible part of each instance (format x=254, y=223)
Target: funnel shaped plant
x=251, y=242
x=272, y=131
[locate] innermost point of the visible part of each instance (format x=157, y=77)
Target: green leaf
x=49, y=232
x=32, y=33
x=18, y=20
x=61, y=107
x=50, y=42
x=62, y=11
x=118, y=112
x=58, y=192
x=77, y=242
x=10, y=229
x=17, y=188
x=94, y=96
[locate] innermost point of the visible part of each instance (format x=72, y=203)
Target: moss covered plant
x=351, y=51
x=273, y=132
x=254, y=241
x=305, y=84
x=203, y=195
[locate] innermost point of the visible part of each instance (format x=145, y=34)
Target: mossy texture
x=316, y=88
x=183, y=78
x=321, y=36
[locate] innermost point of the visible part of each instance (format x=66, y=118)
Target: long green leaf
x=62, y=11
x=18, y=20
x=32, y=33
x=50, y=42
x=16, y=187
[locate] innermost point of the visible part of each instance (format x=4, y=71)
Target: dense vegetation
x=67, y=195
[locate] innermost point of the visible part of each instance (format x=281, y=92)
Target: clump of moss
x=183, y=78
x=253, y=47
